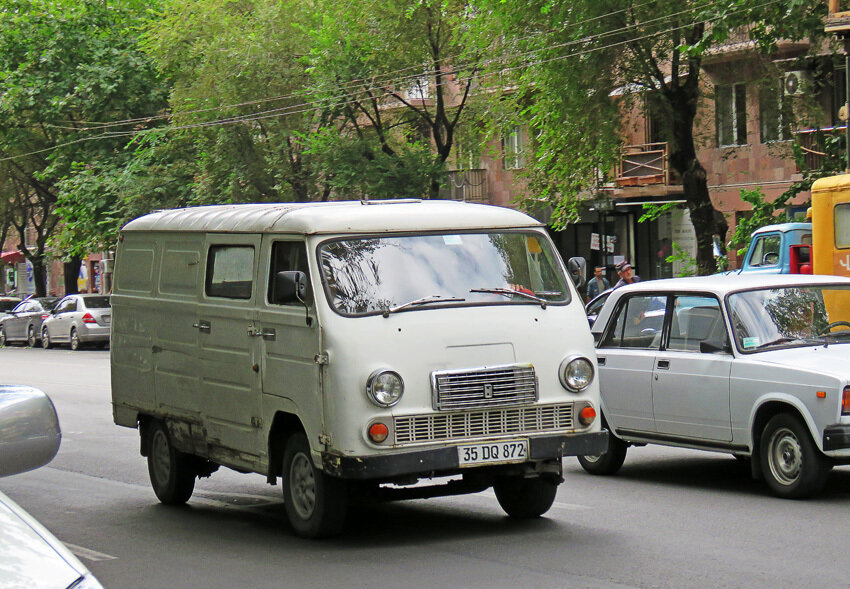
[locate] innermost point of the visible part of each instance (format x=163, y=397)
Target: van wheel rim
x=161, y=455
x=785, y=457
x=302, y=484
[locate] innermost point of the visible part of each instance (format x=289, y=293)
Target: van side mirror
x=577, y=268
x=29, y=429
x=290, y=286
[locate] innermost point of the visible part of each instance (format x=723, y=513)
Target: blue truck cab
x=780, y=249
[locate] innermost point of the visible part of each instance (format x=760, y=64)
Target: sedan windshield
x=790, y=316
x=405, y=273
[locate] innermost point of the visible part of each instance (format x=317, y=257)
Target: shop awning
x=12, y=257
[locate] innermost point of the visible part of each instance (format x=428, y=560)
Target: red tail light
x=88, y=318
x=44, y=316
x=845, y=402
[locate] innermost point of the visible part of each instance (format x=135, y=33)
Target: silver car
x=77, y=320
x=23, y=323
x=754, y=366
x=31, y=555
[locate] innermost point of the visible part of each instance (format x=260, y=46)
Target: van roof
x=334, y=217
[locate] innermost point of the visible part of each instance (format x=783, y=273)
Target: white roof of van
x=334, y=217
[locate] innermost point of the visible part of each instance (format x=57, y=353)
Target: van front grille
x=496, y=386
x=435, y=427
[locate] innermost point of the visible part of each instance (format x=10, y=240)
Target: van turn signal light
x=587, y=415
x=378, y=432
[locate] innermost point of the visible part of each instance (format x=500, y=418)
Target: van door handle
x=663, y=364
x=203, y=326
x=600, y=361
x=263, y=333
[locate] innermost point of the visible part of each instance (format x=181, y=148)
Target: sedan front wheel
x=792, y=464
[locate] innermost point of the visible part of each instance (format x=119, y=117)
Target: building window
x=773, y=119
x=513, y=147
x=731, y=113
x=418, y=89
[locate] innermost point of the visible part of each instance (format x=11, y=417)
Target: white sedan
x=758, y=367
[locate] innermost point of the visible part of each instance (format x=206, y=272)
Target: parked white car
x=78, y=320
x=32, y=557
x=757, y=367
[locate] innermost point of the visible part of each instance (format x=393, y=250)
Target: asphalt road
x=671, y=518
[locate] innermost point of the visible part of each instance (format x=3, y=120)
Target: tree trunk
x=71, y=270
x=39, y=276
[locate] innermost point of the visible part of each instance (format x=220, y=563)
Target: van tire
x=610, y=461
x=523, y=498
x=792, y=464
x=315, y=503
x=171, y=473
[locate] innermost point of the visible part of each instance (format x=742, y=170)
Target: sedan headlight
x=576, y=373
x=384, y=388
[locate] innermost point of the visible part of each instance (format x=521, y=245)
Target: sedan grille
x=434, y=427
x=484, y=387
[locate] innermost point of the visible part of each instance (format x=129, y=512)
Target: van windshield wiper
x=423, y=301
x=508, y=292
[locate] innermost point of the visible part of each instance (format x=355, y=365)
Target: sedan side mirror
x=577, y=268
x=29, y=429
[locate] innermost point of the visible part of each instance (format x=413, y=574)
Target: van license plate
x=493, y=452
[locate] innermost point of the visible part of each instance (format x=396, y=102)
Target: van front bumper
x=444, y=460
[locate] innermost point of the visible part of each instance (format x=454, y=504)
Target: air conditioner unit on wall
x=797, y=82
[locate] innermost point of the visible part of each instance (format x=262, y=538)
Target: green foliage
x=689, y=263
x=763, y=213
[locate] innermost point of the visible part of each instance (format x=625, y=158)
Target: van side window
x=230, y=270
x=286, y=256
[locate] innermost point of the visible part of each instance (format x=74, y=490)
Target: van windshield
x=373, y=275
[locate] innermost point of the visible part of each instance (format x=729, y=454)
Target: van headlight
x=384, y=388
x=575, y=373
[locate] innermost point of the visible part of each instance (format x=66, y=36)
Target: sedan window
x=638, y=323
x=697, y=325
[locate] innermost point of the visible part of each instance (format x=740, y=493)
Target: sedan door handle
x=663, y=364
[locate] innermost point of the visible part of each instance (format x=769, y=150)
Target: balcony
x=466, y=185
x=643, y=170
x=819, y=145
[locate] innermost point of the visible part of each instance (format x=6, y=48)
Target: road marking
x=88, y=554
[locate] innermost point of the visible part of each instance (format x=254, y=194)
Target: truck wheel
x=525, y=498
x=171, y=474
x=793, y=466
x=610, y=461
x=31, y=337
x=315, y=502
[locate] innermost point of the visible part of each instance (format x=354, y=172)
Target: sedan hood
x=32, y=556
x=833, y=359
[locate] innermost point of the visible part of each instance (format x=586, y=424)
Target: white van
x=353, y=348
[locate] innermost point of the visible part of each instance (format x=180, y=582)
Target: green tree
x=566, y=58
x=239, y=95
x=64, y=66
x=394, y=81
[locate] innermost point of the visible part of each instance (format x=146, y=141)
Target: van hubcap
x=302, y=484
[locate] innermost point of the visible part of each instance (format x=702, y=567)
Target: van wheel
x=171, y=474
x=45, y=339
x=75, y=340
x=793, y=466
x=610, y=461
x=31, y=337
x=315, y=502
x=525, y=498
